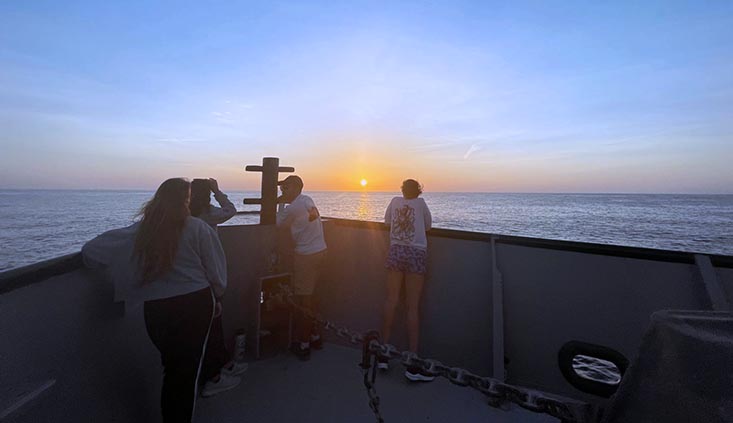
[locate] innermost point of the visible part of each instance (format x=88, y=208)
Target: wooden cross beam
x=268, y=201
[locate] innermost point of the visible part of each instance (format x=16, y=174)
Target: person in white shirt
x=408, y=218
x=302, y=218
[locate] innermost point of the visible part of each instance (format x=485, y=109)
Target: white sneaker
x=236, y=368
x=417, y=376
x=383, y=365
x=225, y=383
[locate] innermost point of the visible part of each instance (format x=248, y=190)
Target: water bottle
x=240, y=342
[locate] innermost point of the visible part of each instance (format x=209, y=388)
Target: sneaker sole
x=383, y=366
x=418, y=377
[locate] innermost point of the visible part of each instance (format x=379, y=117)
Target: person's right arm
x=285, y=216
x=388, y=214
x=290, y=213
x=213, y=259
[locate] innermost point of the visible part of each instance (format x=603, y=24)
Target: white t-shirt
x=408, y=220
x=307, y=234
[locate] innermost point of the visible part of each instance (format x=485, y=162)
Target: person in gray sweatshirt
x=174, y=264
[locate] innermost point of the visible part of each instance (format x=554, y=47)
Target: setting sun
x=364, y=182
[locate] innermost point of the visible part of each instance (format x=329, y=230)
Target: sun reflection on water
x=364, y=211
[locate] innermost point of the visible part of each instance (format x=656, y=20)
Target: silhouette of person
x=219, y=371
x=175, y=264
x=301, y=216
x=408, y=218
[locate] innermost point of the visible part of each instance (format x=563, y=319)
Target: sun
x=364, y=182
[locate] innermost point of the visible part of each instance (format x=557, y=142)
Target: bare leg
x=413, y=284
x=394, y=283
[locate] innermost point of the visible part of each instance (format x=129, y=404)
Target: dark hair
x=411, y=188
x=163, y=219
x=200, y=197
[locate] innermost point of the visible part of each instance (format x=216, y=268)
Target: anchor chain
x=498, y=393
x=369, y=361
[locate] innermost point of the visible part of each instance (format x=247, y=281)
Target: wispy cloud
x=474, y=148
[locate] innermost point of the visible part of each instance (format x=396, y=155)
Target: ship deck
x=492, y=304
x=63, y=361
x=329, y=388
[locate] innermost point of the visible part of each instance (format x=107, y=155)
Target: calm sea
x=39, y=224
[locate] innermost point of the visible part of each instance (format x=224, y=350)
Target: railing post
x=497, y=294
x=714, y=288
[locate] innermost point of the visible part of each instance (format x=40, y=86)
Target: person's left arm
x=226, y=212
x=313, y=212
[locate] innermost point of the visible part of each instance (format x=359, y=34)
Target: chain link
x=498, y=393
x=371, y=390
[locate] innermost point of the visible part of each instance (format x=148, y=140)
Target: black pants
x=178, y=327
x=216, y=352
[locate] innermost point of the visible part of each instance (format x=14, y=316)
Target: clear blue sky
x=516, y=96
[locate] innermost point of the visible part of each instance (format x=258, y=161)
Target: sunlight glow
x=538, y=97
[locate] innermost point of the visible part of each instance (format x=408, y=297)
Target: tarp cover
x=684, y=371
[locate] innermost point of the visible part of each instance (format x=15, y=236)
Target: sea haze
x=42, y=224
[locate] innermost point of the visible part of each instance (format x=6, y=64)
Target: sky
x=537, y=96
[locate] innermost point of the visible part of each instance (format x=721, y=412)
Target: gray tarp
x=684, y=372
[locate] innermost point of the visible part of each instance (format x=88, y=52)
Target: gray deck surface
x=105, y=369
x=329, y=388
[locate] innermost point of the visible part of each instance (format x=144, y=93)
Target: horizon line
x=390, y=192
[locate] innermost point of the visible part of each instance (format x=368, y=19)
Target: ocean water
x=42, y=224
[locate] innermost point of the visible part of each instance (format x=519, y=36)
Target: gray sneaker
x=225, y=383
